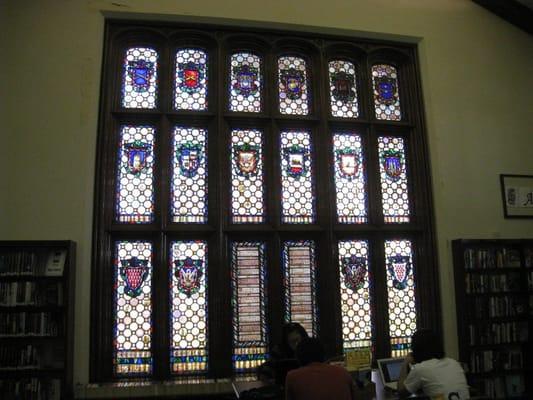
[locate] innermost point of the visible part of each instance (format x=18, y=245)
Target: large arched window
x=247, y=179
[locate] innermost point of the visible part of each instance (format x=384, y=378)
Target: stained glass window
x=133, y=308
x=293, y=86
x=246, y=83
x=188, y=310
x=386, y=92
x=401, y=295
x=354, y=276
x=249, y=305
x=189, y=179
x=135, y=192
x=343, y=89
x=393, y=173
x=139, y=82
x=299, y=266
x=298, y=197
x=247, y=187
x=191, y=80
x=350, y=179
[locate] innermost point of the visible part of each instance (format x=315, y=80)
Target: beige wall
x=477, y=82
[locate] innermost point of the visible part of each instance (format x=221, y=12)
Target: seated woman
x=283, y=356
x=428, y=370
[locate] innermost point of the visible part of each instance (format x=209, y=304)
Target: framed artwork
x=517, y=195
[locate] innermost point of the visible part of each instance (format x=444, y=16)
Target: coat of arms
x=134, y=271
x=296, y=159
x=189, y=158
x=191, y=76
x=246, y=78
x=392, y=164
x=348, y=162
x=400, y=268
x=137, y=153
x=354, y=270
x=386, y=89
x=246, y=158
x=188, y=272
x=293, y=82
x=140, y=72
x=343, y=86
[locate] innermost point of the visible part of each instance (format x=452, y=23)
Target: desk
x=375, y=391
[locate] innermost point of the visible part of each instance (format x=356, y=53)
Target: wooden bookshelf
x=494, y=302
x=37, y=280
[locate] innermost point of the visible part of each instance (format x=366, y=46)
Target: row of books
x=503, y=387
x=26, y=323
x=31, y=293
x=498, y=333
x=27, y=356
x=491, y=258
x=28, y=263
x=30, y=389
x=491, y=360
x=491, y=307
x=530, y=280
x=476, y=283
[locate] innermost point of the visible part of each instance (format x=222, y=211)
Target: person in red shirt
x=316, y=380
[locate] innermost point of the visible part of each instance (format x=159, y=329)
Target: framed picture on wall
x=517, y=195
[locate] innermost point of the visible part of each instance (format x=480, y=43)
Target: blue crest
x=354, y=270
x=400, y=268
x=246, y=77
x=137, y=153
x=134, y=272
x=293, y=82
x=188, y=272
x=140, y=72
x=189, y=158
x=343, y=86
x=386, y=88
x=297, y=158
x=392, y=164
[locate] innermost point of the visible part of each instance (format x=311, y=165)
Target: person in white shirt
x=428, y=370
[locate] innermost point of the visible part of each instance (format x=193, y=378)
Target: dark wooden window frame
x=219, y=42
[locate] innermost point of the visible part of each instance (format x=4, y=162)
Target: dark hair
x=287, y=329
x=310, y=350
x=425, y=345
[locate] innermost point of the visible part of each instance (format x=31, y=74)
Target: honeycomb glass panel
x=343, y=89
x=245, y=83
x=249, y=305
x=401, y=295
x=293, y=86
x=350, y=179
x=356, y=311
x=247, y=180
x=133, y=308
x=393, y=173
x=299, y=271
x=139, y=80
x=189, y=178
x=135, y=180
x=188, y=307
x=191, y=80
x=386, y=92
x=297, y=186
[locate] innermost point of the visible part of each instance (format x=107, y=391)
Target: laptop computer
x=389, y=369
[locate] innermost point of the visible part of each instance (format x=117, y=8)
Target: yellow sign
x=358, y=359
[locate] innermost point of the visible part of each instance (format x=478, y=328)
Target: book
x=514, y=385
x=55, y=263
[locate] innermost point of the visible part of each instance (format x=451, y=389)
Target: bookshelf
x=494, y=301
x=37, y=280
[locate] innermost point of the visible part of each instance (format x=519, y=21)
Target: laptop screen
x=390, y=369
